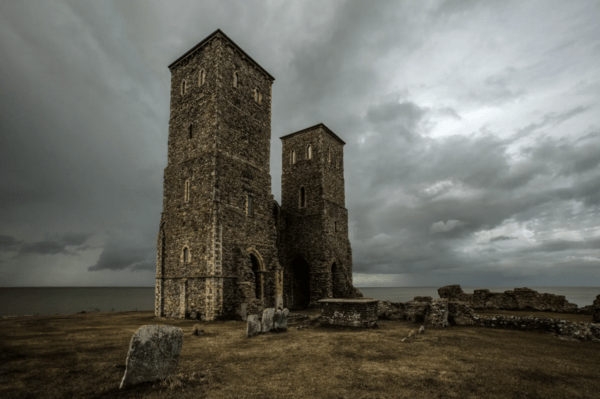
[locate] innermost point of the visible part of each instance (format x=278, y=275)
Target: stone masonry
x=225, y=247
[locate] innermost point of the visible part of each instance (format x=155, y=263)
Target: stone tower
x=314, y=248
x=217, y=255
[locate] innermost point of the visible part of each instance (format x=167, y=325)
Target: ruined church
x=225, y=247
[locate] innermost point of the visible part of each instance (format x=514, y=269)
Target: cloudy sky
x=472, y=131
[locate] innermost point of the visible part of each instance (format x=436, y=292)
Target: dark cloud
x=117, y=257
x=501, y=238
x=85, y=111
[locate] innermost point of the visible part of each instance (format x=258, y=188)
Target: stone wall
x=348, y=312
x=517, y=299
x=579, y=331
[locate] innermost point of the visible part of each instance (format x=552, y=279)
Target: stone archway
x=258, y=278
x=300, y=283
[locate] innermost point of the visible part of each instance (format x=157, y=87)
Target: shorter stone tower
x=314, y=249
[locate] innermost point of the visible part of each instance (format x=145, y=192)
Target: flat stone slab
x=350, y=301
x=153, y=354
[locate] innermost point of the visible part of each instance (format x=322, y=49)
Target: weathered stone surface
x=267, y=319
x=564, y=328
x=423, y=299
x=437, y=314
x=348, y=312
x=517, y=299
x=415, y=311
x=388, y=310
x=286, y=312
x=253, y=326
x=279, y=321
x=422, y=330
x=153, y=354
x=460, y=314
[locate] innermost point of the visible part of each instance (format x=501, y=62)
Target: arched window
x=309, y=152
x=335, y=226
x=183, y=87
x=235, y=79
x=329, y=155
x=191, y=130
x=186, y=193
x=293, y=157
x=332, y=159
x=337, y=162
x=302, y=197
x=201, y=77
x=186, y=255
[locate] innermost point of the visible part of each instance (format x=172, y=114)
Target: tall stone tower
x=315, y=249
x=217, y=255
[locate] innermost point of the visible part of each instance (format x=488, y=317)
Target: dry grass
x=84, y=356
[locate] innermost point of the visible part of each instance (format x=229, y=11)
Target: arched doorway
x=336, y=281
x=258, y=283
x=300, y=283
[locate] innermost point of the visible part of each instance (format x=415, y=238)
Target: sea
x=67, y=300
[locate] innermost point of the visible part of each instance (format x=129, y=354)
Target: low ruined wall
x=580, y=331
x=517, y=299
x=348, y=312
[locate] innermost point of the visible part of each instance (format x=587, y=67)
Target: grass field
x=83, y=355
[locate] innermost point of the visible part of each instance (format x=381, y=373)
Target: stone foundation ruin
x=360, y=313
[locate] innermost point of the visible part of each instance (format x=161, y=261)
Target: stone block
x=437, y=316
x=267, y=319
x=460, y=314
x=254, y=326
x=279, y=321
x=153, y=354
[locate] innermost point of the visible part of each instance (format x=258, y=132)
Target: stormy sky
x=472, y=131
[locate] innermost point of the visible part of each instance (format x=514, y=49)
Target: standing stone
x=437, y=317
x=280, y=321
x=153, y=354
x=253, y=328
x=267, y=319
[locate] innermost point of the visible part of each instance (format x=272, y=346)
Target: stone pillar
x=279, y=289
x=183, y=298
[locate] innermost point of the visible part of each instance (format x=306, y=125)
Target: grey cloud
x=7, y=242
x=501, y=238
x=118, y=257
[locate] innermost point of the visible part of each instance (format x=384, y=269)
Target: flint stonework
x=437, y=314
x=223, y=241
x=153, y=354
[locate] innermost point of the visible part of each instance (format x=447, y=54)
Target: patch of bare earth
x=84, y=356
